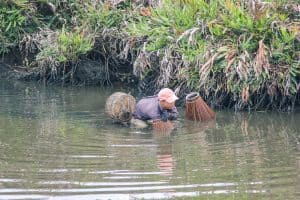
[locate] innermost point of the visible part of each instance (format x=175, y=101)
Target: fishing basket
x=160, y=126
x=120, y=106
x=197, y=109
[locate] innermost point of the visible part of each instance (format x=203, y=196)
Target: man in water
x=157, y=107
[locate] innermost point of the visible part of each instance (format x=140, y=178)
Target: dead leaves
x=145, y=11
x=245, y=94
x=261, y=60
x=208, y=65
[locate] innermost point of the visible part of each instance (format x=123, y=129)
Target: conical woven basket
x=197, y=109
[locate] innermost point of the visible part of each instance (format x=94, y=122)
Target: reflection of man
x=165, y=161
x=165, y=164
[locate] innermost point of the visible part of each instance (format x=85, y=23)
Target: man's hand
x=165, y=116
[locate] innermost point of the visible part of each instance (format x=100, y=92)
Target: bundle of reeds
x=197, y=109
x=160, y=126
x=120, y=106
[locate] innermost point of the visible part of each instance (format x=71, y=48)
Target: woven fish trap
x=120, y=106
x=197, y=109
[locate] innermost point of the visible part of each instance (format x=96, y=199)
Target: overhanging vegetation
x=237, y=54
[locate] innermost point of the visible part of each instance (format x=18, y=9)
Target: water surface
x=57, y=143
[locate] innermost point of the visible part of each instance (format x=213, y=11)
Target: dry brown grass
x=261, y=60
x=160, y=127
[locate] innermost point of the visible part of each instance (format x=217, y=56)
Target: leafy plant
x=12, y=21
x=68, y=47
x=103, y=17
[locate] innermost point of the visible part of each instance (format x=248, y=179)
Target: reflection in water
x=57, y=143
x=164, y=157
x=165, y=164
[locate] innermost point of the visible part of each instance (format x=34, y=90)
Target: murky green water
x=57, y=143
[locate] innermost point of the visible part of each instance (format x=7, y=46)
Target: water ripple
x=120, y=189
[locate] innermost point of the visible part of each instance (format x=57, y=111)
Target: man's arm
x=173, y=114
x=169, y=114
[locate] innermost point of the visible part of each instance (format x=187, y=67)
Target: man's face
x=166, y=105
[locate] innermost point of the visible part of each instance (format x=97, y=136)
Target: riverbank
x=237, y=54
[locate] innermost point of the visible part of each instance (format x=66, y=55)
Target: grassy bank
x=239, y=54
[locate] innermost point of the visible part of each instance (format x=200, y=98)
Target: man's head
x=167, y=98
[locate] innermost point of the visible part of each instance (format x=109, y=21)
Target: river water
x=57, y=143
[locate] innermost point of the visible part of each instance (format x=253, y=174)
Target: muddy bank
x=83, y=73
x=91, y=72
